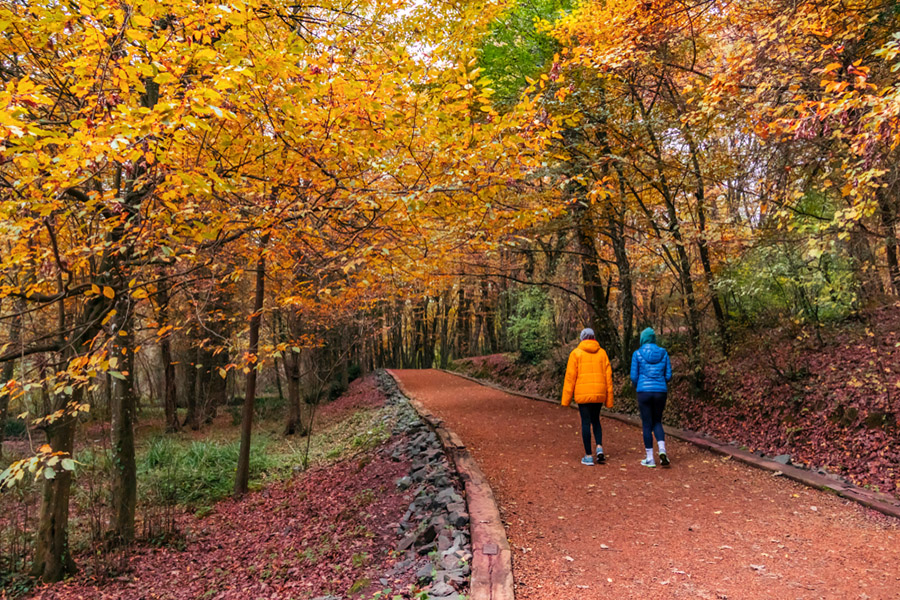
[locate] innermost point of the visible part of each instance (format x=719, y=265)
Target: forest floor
x=829, y=398
x=326, y=530
x=707, y=528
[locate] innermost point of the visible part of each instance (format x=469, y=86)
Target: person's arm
x=668, y=368
x=569, y=383
x=609, y=382
x=635, y=369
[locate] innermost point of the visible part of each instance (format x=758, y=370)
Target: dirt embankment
x=830, y=399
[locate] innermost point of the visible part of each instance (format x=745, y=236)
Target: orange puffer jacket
x=588, y=376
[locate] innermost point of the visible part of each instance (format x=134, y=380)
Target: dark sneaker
x=664, y=461
x=601, y=458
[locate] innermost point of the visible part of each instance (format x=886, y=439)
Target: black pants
x=590, y=417
x=652, y=405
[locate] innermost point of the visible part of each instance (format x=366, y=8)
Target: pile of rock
x=435, y=529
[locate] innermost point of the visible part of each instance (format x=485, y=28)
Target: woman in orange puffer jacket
x=589, y=382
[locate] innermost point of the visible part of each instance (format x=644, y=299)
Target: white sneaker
x=648, y=462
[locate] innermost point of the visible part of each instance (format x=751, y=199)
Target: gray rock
x=440, y=590
x=425, y=573
x=427, y=549
x=783, y=459
x=404, y=483
x=456, y=577
x=445, y=542
x=447, y=496
x=459, y=520
x=407, y=542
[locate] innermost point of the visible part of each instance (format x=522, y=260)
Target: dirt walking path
x=706, y=528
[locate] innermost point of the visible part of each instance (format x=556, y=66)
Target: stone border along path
x=491, y=577
x=819, y=480
x=436, y=524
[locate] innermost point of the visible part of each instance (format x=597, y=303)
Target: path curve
x=706, y=528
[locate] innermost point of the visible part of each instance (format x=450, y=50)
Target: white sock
x=599, y=449
x=649, y=454
x=662, y=447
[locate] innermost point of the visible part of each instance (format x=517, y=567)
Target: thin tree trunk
x=192, y=374
x=489, y=317
x=242, y=477
x=170, y=391
x=888, y=224
x=592, y=282
x=445, y=330
x=616, y=231
x=294, y=422
x=124, y=480
x=700, y=195
x=9, y=371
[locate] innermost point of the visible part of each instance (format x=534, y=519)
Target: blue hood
x=652, y=353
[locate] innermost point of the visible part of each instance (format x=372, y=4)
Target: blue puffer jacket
x=651, y=369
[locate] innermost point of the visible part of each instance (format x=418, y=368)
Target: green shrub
x=531, y=324
x=14, y=428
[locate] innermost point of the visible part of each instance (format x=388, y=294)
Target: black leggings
x=590, y=416
x=652, y=405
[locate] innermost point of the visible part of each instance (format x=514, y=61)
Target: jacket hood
x=652, y=353
x=648, y=336
x=591, y=346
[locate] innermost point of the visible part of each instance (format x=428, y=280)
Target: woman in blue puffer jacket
x=651, y=371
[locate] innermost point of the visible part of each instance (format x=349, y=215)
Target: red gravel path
x=706, y=528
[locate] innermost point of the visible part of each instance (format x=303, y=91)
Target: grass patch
x=197, y=473
x=174, y=469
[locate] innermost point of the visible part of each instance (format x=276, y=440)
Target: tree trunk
x=170, y=391
x=700, y=195
x=124, y=476
x=52, y=556
x=9, y=371
x=488, y=308
x=242, y=477
x=445, y=330
x=463, y=323
x=888, y=218
x=616, y=232
x=866, y=268
x=192, y=375
x=294, y=422
x=592, y=282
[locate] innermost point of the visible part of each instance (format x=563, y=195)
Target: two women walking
x=589, y=382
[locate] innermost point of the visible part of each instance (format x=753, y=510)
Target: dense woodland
x=204, y=204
